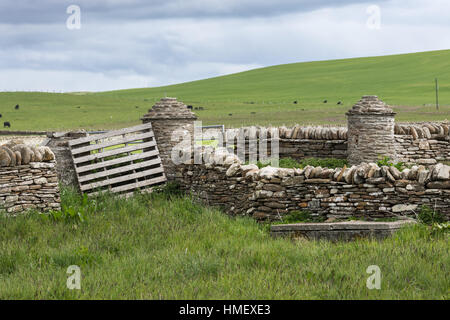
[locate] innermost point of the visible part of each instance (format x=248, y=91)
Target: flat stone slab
x=335, y=231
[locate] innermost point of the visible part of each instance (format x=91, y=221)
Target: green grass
x=331, y=163
x=152, y=247
x=404, y=81
x=300, y=217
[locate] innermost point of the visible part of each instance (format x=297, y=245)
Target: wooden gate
x=120, y=161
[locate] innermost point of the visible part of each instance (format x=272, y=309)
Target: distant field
x=257, y=97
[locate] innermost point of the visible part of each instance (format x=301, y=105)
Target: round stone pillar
x=168, y=116
x=370, y=131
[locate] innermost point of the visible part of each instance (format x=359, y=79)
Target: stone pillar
x=168, y=116
x=370, y=131
x=58, y=142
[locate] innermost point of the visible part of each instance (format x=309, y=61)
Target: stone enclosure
x=364, y=189
x=222, y=179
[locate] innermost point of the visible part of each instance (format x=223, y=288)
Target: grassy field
x=257, y=97
x=150, y=247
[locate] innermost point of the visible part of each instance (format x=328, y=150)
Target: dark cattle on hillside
x=1, y=115
x=6, y=124
x=339, y=102
x=16, y=107
x=325, y=101
x=189, y=107
x=295, y=102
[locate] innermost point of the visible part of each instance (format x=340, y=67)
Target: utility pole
x=437, y=94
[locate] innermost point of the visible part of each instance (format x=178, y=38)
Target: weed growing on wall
x=74, y=210
x=429, y=216
x=386, y=161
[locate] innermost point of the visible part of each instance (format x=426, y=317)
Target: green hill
x=261, y=97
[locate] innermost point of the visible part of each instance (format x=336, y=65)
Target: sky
x=99, y=45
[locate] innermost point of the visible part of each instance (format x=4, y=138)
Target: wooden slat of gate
x=135, y=185
x=114, y=152
x=146, y=126
x=110, y=181
x=112, y=143
x=109, y=163
x=126, y=168
x=129, y=176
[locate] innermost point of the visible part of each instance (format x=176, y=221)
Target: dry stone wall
x=29, y=186
x=28, y=178
x=300, y=149
x=364, y=190
x=296, y=142
x=423, y=143
x=421, y=151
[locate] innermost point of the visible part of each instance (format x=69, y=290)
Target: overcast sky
x=140, y=43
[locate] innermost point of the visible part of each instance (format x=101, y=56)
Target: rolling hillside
x=261, y=97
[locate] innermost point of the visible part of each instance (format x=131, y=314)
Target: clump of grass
x=289, y=163
x=429, y=216
x=331, y=163
x=300, y=216
x=168, y=190
x=434, y=219
x=75, y=209
x=438, y=229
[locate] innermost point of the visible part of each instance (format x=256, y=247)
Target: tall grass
x=161, y=247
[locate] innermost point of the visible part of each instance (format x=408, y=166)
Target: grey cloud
x=54, y=11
